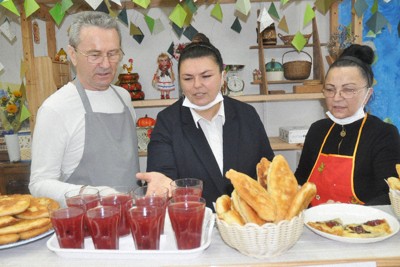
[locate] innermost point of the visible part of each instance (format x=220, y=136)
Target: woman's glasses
x=345, y=92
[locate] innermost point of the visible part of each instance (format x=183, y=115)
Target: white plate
x=127, y=249
x=349, y=213
x=30, y=240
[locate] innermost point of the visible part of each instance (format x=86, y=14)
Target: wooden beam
x=356, y=23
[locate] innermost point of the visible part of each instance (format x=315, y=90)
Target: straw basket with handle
x=298, y=69
x=287, y=39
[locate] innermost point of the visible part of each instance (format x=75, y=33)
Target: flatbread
x=24, y=225
x=302, y=199
x=35, y=232
x=253, y=194
x=38, y=208
x=394, y=183
x=398, y=169
x=246, y=212
x=262, y=172
x=9, y=238
x=14, y=204
x=222, y=205
x=282, y=185
x=7, y=220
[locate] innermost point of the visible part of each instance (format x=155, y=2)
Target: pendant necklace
x=342, y=134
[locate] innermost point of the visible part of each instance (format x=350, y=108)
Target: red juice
x=187, y=222
x=68, y=226
x=103, y=226
x=145, y=227
x=187, y=191
x=154, y=201
x=86, y=202
x=120, y=200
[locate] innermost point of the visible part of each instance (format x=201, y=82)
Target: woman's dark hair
x=201, y=49
x=360, y=56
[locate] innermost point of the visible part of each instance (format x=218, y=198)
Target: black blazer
x=179, y=149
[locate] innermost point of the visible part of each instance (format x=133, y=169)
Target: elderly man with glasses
x=85, y=132
x=350, y=154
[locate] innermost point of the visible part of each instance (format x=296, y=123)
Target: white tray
x=127, y=248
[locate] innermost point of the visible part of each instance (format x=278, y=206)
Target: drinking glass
x=103, y=226
x=85, y=198
x=144, y=196
x=117, y=196
x=187, y=186
x=68, y=225
x=145, y=226
x=187, y=214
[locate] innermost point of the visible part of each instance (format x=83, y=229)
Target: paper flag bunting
x=376, y=22
x=273, y=12
x=178, y=15
x=94, y=3
x=265, y=19
x=216, y=12
x=189, y=32
x=178, y=30
x=134, y=30
x=360, y=7
x=7, y=31
x=150, y=22
x=1, y=67
x=65, y=5
x=10, y=6
x=190, y=4
x=171, y=49
x=123, y=16
x=299, y=41
x=158, y=26
x=104, y=8
x=25, y=114
x=189, y=15
x=374, y=7
x=243, y=6
x=283, y=2
x=323, y=5
x=309, y=14
x=236, y=26
x=138, y=38
x=283, y=25
x=30, y=7
x=56, y=13
x=118, y=2
x=142, y=3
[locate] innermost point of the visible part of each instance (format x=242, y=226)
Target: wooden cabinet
x=14, y=177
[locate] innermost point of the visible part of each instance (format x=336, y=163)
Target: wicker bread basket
x=298, y=69
x=395, y=201
x=287, y=39
x=264, y=241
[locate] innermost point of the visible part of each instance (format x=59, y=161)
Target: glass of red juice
x=117, y=196
x=145, y=196
x=145, y=226
x=186, y=214
x=85, y=198
x=68, y=225
x=103, y=226
x=187, y=186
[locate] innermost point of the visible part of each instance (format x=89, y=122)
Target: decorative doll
x=164, y=77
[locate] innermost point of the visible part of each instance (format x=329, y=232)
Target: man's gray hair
x=91, y=18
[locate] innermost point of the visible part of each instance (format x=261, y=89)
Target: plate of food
x=351, y=223
x=24, y=219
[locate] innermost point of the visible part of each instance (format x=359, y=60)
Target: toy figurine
x=164, y=77
x=130, y=67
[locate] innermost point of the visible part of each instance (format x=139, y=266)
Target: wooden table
x=311, y=249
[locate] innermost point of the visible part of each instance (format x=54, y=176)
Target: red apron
x=333, y=175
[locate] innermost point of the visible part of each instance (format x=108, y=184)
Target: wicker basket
x=395, y=201
x=298, y=69
x=287, y=39
x=264, y=241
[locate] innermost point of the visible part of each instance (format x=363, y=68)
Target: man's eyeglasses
x=345, y=92
x=97, y=58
